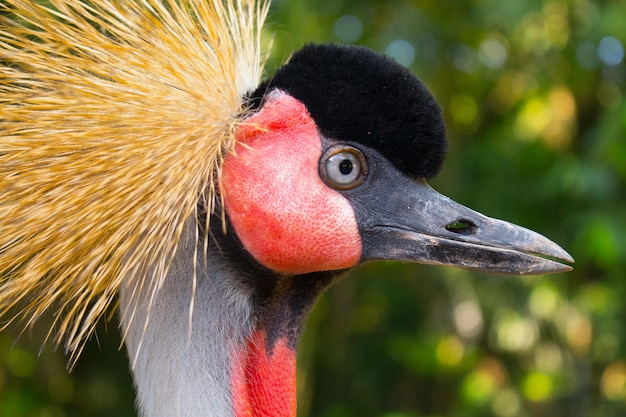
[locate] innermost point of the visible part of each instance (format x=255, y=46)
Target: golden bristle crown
x=114, y=119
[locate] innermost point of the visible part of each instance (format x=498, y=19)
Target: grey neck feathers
x=181, y=347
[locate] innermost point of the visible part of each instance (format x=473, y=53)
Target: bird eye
x=343, y=167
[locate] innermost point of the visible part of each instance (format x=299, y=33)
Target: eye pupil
x=345, y=167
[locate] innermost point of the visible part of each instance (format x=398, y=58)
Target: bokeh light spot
x=579, y=334
x=480, y=385
x=468, y=319
x=613, y=381
x=537, y=386
x=515, y=333
x=506, y=403
x=464, y=58
x=402, y=51
x=611, y=51
x=543, y=301
x=533, y=118
x=551, y=118
x=492, y=53
x=548, y=358
x=349, y=28
x=450, y=351
x=20, y=362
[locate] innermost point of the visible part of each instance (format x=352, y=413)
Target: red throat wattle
x=264, y=382
x=282, y=212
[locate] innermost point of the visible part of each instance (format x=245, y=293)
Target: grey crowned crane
x=141, y=157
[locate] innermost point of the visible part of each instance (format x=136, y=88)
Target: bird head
x=330, y=171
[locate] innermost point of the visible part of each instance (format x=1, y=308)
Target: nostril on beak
x=462, y=227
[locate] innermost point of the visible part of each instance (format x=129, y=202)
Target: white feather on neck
x=181, y=342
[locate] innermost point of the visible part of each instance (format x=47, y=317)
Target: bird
x=145, y=163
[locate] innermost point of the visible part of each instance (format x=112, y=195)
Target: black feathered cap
x=355, y=94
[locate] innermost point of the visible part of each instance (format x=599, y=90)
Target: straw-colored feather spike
x=114, y=117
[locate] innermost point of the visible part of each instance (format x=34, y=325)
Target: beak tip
x=556, y=260
x=557, y=264
x=563, y=268
x=561, y=254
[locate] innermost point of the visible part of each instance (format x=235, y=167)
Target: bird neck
x=265, y=385
x=219, y=337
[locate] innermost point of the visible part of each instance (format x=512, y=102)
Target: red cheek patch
x=285, y=216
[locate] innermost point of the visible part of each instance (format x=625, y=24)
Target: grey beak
x=421, y=225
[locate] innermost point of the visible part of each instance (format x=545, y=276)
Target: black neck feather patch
x=355, y=94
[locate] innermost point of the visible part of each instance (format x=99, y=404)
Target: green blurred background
x=533, y=94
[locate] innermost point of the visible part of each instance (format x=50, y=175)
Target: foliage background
x=533, y=94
